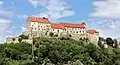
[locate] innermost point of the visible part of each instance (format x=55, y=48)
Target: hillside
x=60, y=51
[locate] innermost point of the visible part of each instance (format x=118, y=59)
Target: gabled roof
x=92, y=31
x=36, y=19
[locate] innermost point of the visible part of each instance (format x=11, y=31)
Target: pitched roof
x=57, y=26
x=36, y=19
x=92, y=31
x=73, y=25
x=62, y=25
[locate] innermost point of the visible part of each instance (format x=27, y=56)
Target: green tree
x=23, y=36
x=51, y=34
x=19, y=39
x=109, y=41
x=13, y=39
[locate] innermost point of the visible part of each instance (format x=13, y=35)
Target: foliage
x=20, y=39
x=109, y=41
x=13, y=39
x=59, y=51
x=23, y=36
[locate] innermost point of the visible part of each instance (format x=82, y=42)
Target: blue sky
x=102, y=15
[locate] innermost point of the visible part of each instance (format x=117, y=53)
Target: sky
x=101, y=15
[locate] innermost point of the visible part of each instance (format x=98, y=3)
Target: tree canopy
x=59, y=51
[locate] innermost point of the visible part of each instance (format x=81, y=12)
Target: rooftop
x=36, y=19
x=92, y=31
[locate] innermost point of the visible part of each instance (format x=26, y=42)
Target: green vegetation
x=59, y=51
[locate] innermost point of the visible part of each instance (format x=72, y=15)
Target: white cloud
x=107, y=9
x=107, y=28
x=5, y=21
x=1, y=2
x=4, y=26
x=53, y=9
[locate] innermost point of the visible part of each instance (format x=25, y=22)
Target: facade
x=42, y=27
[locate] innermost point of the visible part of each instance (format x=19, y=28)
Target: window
x=83, y=31
x=58, y=31
x=32, y=28
x=77, y=32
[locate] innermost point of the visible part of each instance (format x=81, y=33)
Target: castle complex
x=43, y=27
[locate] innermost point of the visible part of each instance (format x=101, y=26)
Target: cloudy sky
x=102, y=15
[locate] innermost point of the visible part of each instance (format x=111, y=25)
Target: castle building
x=42, y=27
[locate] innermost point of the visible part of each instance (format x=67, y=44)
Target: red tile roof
x=41, y=20
x=57, y=26
x=92, y=31
x=62, y=25
x=73, y=25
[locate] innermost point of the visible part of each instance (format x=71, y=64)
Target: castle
x=43, y=27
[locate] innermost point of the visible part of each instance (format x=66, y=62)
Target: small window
x=32, y=28
x=58, y=31
x=77, y=32
x=83, y=31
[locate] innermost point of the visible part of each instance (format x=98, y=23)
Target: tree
x=101, y=39
x=51, y=34
x=19, y=39
x=23, y=36
x=13, y=39
x=115, y=42
x=109, y=41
